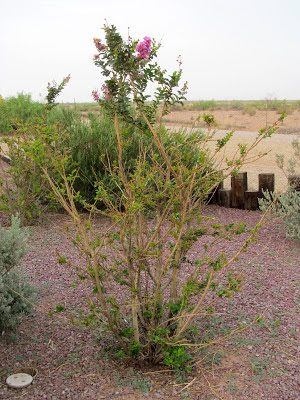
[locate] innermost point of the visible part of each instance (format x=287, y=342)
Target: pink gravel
x=75, y=362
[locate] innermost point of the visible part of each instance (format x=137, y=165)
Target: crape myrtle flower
x=95, y=95
x=66, y=80
x=106, y=92
x=143, y=48
x=98, y=44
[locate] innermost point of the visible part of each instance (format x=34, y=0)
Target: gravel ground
x=75, y=362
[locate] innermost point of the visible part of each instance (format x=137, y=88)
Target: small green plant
x=135, y=380
x=16, y=295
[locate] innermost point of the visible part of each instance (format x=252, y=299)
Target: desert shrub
x=146, y=288
x=249, y=109
x=16, y=295
x=12, y=244
x=286, y=205
x=16, y=298
x=18, y=109
x=237, y=105
x=281, y=106
x=23, y=188
x=93, y=150
x=205, y=105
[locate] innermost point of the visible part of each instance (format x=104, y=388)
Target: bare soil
x=238, y=120
x=77, y=362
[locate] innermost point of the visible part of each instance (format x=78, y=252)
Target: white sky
x=231, y=49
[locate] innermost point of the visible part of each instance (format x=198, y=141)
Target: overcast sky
x=231, y=49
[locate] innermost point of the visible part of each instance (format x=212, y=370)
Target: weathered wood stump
x=265, y=182
x=239, y=185
x=224, y=198
x=251, y=200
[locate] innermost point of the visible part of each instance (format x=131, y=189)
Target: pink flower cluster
x=98, y=44
x=95, y=95
x=143, y=48
x=106, y=91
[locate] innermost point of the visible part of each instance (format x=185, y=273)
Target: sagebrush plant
x=13, y=244
x=16, y=295
x=286, y=205
x=146, y=288
x=93, y=150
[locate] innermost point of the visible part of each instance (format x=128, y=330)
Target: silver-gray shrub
x=286, y=206
x=13, y=244
x=16, y=295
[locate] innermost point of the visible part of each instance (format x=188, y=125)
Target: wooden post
x=213, y=196
x=251, y=200
x=294, y=180
x=224, y=198
x=239, y=186
x=265, y=182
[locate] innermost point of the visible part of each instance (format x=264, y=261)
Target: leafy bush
x=16, y=295
x=22, y=186
x=93, y=150
x=146, y=288
x=18, y=109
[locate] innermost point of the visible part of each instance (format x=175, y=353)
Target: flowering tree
x=147, y=289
